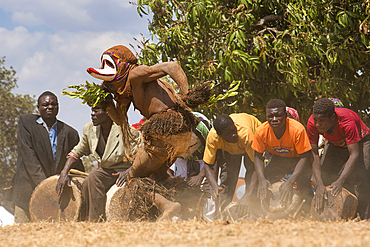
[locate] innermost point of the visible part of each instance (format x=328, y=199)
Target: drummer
x=103, y=139
x=346, y=156
x=286, y=139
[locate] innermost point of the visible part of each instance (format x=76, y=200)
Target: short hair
x=222, y=122
x=46, y=93
x=324, y=106
x=276, y=103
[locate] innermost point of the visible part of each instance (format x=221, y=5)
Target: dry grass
x=188, y=233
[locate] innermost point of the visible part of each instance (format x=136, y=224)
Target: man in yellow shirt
x=230, y=138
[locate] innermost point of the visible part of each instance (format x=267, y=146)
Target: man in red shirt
x=344, y=161
x=286, y=139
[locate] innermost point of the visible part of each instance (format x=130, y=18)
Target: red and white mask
x=107, y=70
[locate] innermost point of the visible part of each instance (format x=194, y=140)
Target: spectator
x=43, y=145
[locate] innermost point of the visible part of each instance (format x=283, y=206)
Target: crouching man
x=346, y=156
x=233, y=136
x=103, y=139
x=286, y=139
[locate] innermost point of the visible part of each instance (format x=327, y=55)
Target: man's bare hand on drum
x=63, y=181
x=194, y=181
x=263, y=185
x=286, y=192
x=122, y=177
x=320, y=194
x=337, y=187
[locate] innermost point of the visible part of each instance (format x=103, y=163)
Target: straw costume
x=166, y=134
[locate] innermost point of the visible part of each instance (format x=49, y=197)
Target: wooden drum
x=272, y=208
x=46, y=205
x=342, y=207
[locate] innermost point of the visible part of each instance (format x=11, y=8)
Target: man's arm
x=197, y=179
x=263, y=183
x=113, y=112
x=148, y=74
x=211, y=177
x=287, y=187
x=320, y=190
x=63, y=177
x=27, y=152
x=81, y=149
x=354, y=153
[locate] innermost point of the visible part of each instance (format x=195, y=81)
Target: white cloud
x=27, y=19
x=122, y=3
x=54, y=42
x=45, y=12
x=92, y=15
x=19, y=42
x=54, y=61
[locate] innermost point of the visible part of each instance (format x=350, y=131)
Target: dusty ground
x=188, y=233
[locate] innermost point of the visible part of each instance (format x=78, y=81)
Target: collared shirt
x=348, y=129
x=53, y=138
x=293, y=142
x=112, y=153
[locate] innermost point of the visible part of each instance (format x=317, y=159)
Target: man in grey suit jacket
x=103, y=139
x=43, y=144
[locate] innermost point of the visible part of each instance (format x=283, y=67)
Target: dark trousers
x=332, y=164
x=230, y=166
x=94, y=190
x=278, y=167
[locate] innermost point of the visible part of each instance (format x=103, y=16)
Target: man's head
x=276, y=113
x=47, y=105
x=226, y=128
x=324, y=115
x=99, y=116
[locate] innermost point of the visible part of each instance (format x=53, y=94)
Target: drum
x=46, y=205
x=342, y=207
x=271, y=205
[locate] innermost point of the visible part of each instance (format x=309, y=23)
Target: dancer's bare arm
x=113, y=112
x=147, y=74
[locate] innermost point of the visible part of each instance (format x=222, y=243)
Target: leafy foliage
x=297, y=51
x=11, y=107
x=90, y=93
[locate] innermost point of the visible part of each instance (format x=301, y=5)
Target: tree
x=11, y=107
x=297, y=51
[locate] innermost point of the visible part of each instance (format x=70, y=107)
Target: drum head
x=46, y=205
x=114, y=208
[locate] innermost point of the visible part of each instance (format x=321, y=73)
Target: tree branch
x=266, y=19
x=207, y=40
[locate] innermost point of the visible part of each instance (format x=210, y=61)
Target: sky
x=51, y=43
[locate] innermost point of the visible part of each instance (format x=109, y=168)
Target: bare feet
x=170, y=210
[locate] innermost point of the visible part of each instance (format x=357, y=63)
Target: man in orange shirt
x=286, y=139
